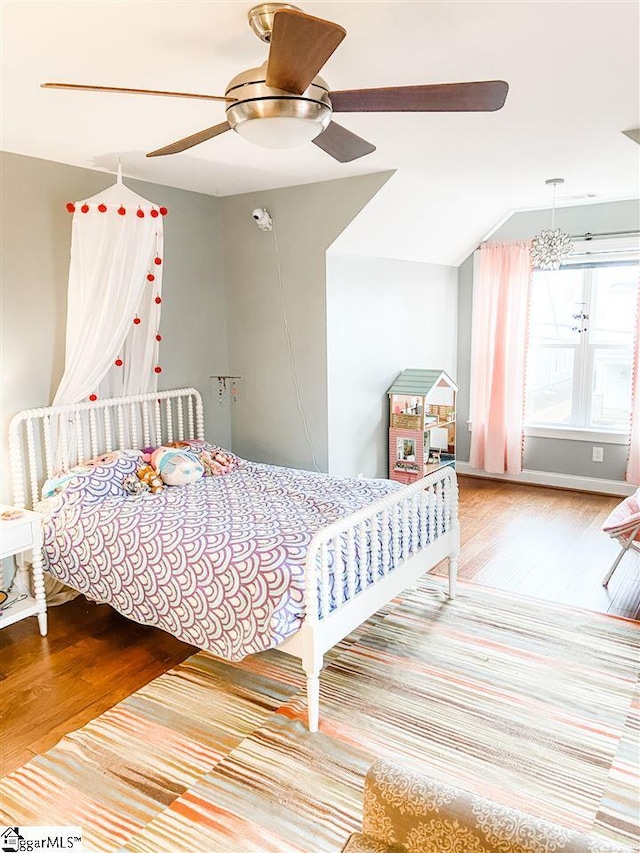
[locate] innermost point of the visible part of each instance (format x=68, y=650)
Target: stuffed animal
x=133, y=486
x=147, y=474
x=216, y=462
x=176, y=467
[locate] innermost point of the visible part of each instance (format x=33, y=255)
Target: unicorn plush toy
x=177, y=467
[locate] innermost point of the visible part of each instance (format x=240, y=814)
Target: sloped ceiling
x=572, y=68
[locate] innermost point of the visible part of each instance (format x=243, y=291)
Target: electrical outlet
x=597, y=454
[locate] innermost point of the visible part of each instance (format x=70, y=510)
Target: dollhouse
x=422, y=423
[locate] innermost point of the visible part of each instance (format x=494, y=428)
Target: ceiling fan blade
x=341, y=144
x=87, y=88
x=300, y=46
x=485, y=96
x=190, y=141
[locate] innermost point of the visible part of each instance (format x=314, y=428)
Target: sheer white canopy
x=114, y=305
x=114, y=298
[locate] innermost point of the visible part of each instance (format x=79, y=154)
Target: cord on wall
x=292, y=360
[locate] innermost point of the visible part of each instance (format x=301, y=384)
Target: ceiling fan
x=284, y=102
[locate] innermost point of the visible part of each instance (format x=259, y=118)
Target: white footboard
x=359, y=563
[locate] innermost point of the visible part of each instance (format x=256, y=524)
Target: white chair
x=623, y=524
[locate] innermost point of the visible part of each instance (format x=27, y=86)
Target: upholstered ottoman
x=406, y=812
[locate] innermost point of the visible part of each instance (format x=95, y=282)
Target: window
x=579, y=370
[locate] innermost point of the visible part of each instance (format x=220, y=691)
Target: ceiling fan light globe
x=274, y=118
x=279, y=131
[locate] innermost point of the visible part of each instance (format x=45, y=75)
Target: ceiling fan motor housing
x=255, y=100
x=261, y=18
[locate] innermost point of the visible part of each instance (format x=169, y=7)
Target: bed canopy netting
x=114, y=306
x=114, y=297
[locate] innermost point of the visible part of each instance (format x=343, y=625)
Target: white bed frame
x=425, y=511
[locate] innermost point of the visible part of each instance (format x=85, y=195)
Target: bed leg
x=312, y=665
x=453, y=575
x=313, y=700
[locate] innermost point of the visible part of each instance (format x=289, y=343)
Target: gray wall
x=545, y=454
x=36, y=239
x=383, y=315
x=266, y=420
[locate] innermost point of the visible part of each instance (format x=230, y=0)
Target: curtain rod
x=590, y=236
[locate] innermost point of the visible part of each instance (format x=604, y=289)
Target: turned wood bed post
x=451, y=513
x=312, y=657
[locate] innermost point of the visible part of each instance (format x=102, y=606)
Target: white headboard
x=43, y=442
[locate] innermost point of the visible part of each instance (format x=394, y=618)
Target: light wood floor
x=532, y=541
x=545, y=543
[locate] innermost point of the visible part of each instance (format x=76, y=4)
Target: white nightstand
x=17, y=535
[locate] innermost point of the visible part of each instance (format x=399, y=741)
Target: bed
x=261, y=557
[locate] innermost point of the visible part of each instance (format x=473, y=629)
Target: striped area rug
x=527, y=703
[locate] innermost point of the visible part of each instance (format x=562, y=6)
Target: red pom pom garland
x=93, y=397
x=157, y=261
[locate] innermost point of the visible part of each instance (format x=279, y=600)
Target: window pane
x=611, y=394
x=614, y=305
x=549, y=385
x=555, y=297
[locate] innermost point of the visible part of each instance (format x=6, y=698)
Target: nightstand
x=18, y=534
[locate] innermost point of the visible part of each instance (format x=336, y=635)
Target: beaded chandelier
x=551, y=246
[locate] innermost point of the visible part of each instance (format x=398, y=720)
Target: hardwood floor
x=90, y=659
x=533, y=541
x=545, y=543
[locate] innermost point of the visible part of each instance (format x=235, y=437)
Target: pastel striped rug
x=527, y=703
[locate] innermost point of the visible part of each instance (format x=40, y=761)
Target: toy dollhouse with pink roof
x=422, y=423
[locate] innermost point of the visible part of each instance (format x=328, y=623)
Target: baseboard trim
x=557, y=481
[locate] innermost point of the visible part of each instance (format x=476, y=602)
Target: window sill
x=577, y=434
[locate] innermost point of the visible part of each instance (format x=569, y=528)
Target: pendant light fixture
x=551, y=246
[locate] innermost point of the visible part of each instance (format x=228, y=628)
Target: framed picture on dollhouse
x=406, y=449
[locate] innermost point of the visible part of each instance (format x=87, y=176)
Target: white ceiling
x=572, y=68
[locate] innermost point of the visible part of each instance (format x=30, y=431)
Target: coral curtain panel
x=633, y=465
x=502, y=275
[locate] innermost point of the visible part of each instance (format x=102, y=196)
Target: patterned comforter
x=218, y=563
